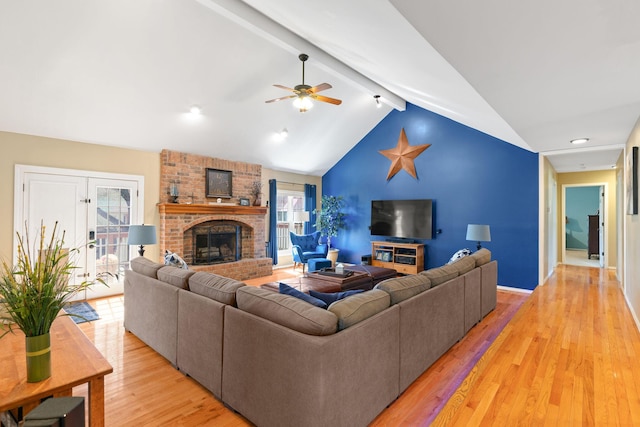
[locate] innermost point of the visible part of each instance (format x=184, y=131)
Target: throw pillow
x=459, y=255
x=288, y=290
x=172, y=258
x=330, y=298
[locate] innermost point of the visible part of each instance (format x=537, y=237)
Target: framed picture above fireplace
x=218, y=183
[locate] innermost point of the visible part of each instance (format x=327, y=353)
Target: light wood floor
x=566, y=354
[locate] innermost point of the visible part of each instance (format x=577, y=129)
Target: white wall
x=631, y=233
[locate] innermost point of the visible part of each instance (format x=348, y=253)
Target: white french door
x=94, y=211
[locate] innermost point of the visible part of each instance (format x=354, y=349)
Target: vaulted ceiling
x=125, y=73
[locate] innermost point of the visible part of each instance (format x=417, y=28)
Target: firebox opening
x=217, y=244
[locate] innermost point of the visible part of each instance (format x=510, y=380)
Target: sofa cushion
x=402, y=288
x=483, y=256
x=285, y=289
x=218, y=288
x=146, y=267
x=440, y=275
x=359, y=307
x=287, y=311
x=464, y=265
x=330, y=298
x=175, y=276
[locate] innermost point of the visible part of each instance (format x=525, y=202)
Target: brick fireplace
x=177, y=222
x=194, y=210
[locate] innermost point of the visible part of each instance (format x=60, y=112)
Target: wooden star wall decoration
x=403, y=155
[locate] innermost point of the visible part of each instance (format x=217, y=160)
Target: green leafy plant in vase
x=34, y=291
x=330, y=220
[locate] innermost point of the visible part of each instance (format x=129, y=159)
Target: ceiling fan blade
x=316, y=89
x=281, y=99
x=326, y=99
x=284, y=87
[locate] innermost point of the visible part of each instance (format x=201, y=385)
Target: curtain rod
x=291, y=183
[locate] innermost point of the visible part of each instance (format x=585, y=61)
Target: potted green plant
x=33, y=293
x=330, y=220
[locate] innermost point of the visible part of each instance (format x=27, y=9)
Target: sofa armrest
x=151, y=313
x=489, y=287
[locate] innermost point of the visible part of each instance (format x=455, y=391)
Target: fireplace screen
x=217, y=244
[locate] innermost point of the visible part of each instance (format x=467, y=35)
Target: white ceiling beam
x=249, y=18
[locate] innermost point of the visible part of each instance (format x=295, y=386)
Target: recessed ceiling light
x=282, y=135
x=579, y=140
x=195, y=110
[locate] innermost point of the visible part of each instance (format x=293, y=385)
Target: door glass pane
x=113, y=217
x=288, y=203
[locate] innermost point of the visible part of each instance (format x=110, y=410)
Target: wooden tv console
x=406, y=258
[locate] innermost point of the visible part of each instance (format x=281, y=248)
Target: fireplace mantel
x=213, y=209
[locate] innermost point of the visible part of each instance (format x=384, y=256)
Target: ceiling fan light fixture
x=303, y=103
x=579, y=141
x=303, y=92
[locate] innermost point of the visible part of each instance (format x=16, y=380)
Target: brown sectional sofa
x=280, y=361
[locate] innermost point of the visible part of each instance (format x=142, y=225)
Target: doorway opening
x=583, y=225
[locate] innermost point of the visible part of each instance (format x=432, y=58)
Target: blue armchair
x=305, y=246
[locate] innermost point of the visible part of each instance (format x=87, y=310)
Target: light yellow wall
x=56, y=153
x=593, y=178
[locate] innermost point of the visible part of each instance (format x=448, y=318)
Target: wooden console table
x=74, y=361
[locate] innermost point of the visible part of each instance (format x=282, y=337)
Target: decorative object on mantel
x=173, y=192
x=218, y=183
x=256, y=191
x=34, y=291
x=244, y=201
x=402, y=156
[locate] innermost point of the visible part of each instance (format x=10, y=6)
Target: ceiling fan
x=303, y=93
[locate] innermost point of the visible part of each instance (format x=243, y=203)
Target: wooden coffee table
x=343, y=282
x=74, y=361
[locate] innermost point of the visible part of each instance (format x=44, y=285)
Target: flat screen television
x=406, y=219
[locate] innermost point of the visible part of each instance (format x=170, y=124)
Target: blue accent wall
x=580, y=202
x=471, y=178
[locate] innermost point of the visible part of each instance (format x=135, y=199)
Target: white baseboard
x=510, y=289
